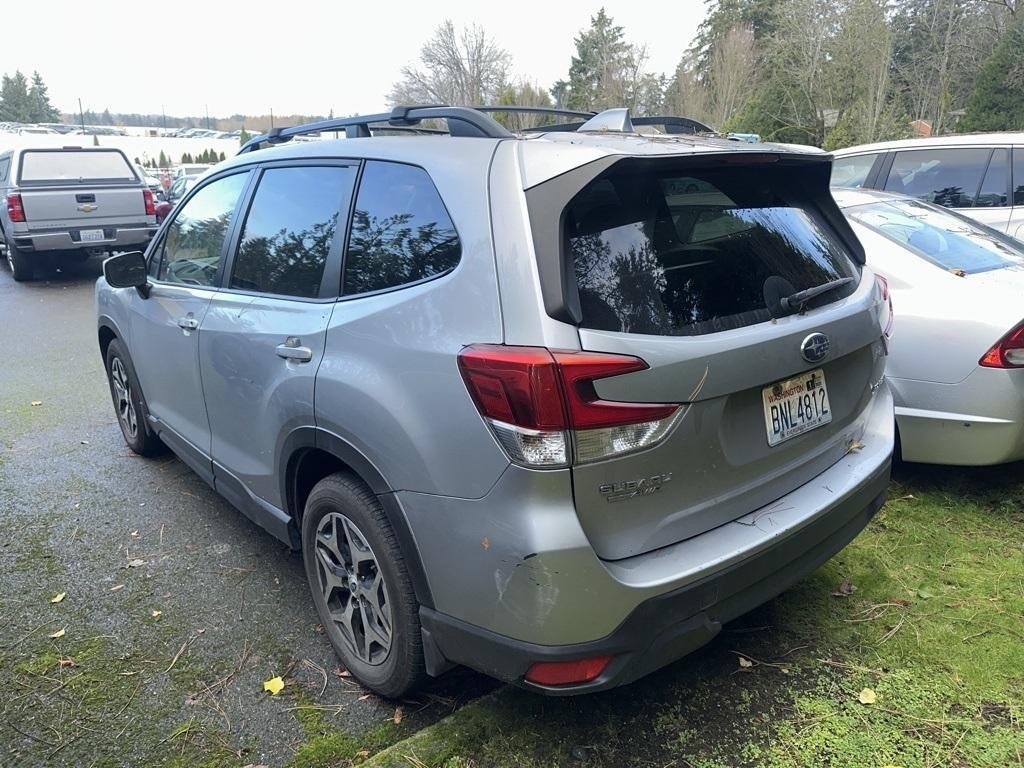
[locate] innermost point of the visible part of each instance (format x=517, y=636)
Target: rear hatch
x=80, y=188
x=701, y=267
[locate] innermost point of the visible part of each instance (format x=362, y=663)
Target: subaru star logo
x=815, y=347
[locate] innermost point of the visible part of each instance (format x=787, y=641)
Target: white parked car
x=956, y=362
x=980, y=175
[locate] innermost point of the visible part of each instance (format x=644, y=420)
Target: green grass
x=935, y=628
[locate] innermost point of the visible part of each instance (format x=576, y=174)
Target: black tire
x=21, y=267
x=398, y=669
x=129, y=404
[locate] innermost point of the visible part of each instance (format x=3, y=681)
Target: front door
x=263, y=336
x=185, y=269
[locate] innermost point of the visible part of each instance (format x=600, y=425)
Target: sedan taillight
x=543, y=409
x=1008, y=352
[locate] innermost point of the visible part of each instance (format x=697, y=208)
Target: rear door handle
x=188, y=322
x=293, y=350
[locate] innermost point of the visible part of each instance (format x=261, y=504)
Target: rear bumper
x=670, y=626
x=118, y=237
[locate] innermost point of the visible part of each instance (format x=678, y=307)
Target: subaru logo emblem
x=815, y=347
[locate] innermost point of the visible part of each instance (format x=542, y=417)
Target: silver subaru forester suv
x=554, y=405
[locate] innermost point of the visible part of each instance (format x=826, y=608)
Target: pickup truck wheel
x=21, y=267
x=361, y=587
x=128, y=403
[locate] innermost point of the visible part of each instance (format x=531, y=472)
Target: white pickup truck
x=68, y=204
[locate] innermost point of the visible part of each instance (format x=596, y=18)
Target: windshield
x=684, y=255
x=942, y=238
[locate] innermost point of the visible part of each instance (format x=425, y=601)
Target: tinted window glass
x=290, y=228
x=687, y=255
x=1018, y=175
x=195, y=238
x=401, y=232
x=76, y=165
x=993, y=190
x=4, y=167
x=948, y=177
x=942, y=238
x=852, y=171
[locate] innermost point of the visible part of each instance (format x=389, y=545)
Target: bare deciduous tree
x=731, y=79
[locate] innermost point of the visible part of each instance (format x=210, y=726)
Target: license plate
x=795, y=406
x=91, y=235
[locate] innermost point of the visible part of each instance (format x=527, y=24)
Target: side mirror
x=127, y=270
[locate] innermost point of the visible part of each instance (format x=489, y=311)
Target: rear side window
x=1018, y=175
x=5, y=167
x=949, y=177
x=852, y=171
x=290, y=229
x=195, y=238
x=993, y=189
x=401, y=231
x=684, y=255
x=68, y=165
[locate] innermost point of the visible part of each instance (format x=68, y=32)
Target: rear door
x=974, y=180
x=79, y=187
x=686, y=267
x=263, y=335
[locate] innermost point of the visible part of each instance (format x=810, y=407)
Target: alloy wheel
x=123, y=392
x=353, y=588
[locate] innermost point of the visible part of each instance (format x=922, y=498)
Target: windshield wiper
x=796, y=301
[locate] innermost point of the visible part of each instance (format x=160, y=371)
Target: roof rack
x=464, y=121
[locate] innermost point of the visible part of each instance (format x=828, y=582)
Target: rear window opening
x=691, y=252
x=75, y=166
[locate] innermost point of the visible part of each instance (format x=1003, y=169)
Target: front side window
x=942, y=238
x=195, y=238
x=290, y=229
x=401, y=231
x=852, y=171
x=947, y=177
x=684, y=255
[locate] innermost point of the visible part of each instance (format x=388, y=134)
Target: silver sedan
x=956, y=364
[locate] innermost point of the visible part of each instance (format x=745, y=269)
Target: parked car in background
x=36, y=130
x=180, y=187
x=555, y=406
x=70, y=203
x=981, y=175
x=150, y=179
x=191, y=169
x=956, y=365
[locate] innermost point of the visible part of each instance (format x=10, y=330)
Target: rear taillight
x=1008, y=352
x=15, y=209
x=543, y=409
x=888, y=317
x=147, y=197
x=567, y=672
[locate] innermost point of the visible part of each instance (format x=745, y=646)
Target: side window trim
x=330, y=283
x=158, y=253
x=880, y=173
x=984, y=176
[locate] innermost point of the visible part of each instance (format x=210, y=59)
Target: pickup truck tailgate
x=48, y=207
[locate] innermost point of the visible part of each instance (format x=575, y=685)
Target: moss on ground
x=934, y=627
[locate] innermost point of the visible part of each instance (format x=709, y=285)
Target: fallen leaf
x=866, y=696
x=855, y=446
x=485, y=543
x=342, y=672
x=365, y=696
x=745, y=663
x=845, y=589
x=66, y=661
x=363, y=753
x=117, y=588
x=135, y=563
x=59, y=633
x=924, y=593
x=399, y=714
x=156, y=614
x=58, y=597
x=900, y=602
x=34, y=403
x=275, y=685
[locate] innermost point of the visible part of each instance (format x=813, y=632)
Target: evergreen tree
x=14, y=99
x=223, y=157
x=997, y=103
x=162, y=161
x=601, y=51
x=41, y=110
x=107, y=118
x=243, y=137
x=95, y=140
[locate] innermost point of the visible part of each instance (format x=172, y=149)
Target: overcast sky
x=247, y=56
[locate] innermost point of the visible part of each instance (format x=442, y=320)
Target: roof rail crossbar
x=536, y=110
x=462, y=121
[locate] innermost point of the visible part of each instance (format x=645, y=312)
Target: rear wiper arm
x=796, y=301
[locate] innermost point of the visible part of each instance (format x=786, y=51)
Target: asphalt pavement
x=175, y=607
